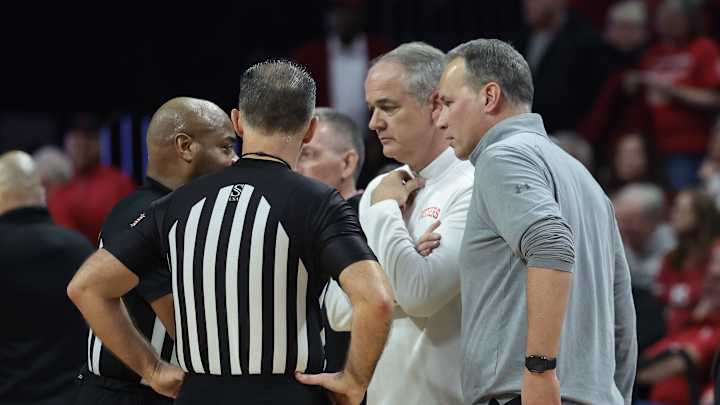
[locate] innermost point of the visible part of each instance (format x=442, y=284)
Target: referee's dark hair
x=277, y=96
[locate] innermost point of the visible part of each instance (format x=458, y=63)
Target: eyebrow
x=385, y=101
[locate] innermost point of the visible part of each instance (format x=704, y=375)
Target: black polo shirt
x=42, y=338
x=100, y=360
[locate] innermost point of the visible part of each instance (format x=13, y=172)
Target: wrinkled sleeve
x=521, y=204
x=422, y=285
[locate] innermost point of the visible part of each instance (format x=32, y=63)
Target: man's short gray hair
x=492, y=60
x=649, y=195
x=349, y=132
x=424, y=65
x=277, y=96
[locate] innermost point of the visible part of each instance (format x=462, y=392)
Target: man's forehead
x=454, y=72
x=385, y=78
x=325, y=135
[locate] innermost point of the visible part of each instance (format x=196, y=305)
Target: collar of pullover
x=521, y=123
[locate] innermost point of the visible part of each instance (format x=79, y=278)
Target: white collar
x=437, y=168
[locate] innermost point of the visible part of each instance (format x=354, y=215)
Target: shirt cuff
x=553, y=264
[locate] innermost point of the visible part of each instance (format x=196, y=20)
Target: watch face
x=539, y=364
x=536, y=364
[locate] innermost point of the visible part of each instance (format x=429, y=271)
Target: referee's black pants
x=97, y=390
x=203, y=389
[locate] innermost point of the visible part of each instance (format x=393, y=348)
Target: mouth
x=385, y=140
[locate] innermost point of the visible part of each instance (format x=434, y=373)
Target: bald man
x=41, y=341
x=186, y=138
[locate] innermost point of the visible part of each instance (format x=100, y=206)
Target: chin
x=460, y=153
x=388, y=152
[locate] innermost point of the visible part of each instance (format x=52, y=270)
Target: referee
x=250, y=250
x=186, y=138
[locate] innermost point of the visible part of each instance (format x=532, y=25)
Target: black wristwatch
x=539, y=364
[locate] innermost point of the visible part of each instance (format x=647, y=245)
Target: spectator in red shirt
x=680, y=79
x=692, y=316
x=83, y=203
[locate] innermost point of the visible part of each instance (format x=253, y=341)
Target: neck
x=511, y=111
x=347, y=188
x=8, y=204
x=169, y=176
x=285, y=147
x=436, y=147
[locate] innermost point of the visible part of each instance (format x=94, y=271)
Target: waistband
x=265, y=389
x=87, y=377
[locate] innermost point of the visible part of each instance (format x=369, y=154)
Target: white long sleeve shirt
x=421, y=362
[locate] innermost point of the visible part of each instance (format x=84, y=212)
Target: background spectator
x=640, y=210
x=83, y=203
x=633, y=159
x=679, y=77
x=561, y=48
x=693, y=327
x=54, y=168
x=626, y=37
x=42, y=344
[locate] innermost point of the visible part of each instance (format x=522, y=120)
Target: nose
x=376, y=124
x=441, y=122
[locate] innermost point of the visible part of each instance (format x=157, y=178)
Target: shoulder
x=374, y=182
x=72, y=241
x=128, y=209
x=309, y=187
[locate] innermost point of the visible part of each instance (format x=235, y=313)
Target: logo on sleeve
x=519, y=188
x=235, y=193
x=432, y=212
x=137, y=220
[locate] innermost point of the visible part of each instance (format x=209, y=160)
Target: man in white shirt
x=421, y=363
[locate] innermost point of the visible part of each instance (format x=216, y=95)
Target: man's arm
x=423, y=284
x=96, y=290
x=520, y=200
x=372, y=300
x=626, y=350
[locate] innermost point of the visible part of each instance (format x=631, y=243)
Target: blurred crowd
x=636, y=100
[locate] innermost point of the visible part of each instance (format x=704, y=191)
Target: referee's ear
x=310, y=133
x=237, y=125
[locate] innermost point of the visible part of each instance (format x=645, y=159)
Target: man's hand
x=399, y=186
x=540, y=389
x=429, y=241
x=166, y=379
x=344, y=390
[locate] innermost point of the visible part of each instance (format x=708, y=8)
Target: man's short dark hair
x=277, y=96
x=492, y=60
x=350, y=132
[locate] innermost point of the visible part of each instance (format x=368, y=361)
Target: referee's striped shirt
x=249, y=250
x=100, y=361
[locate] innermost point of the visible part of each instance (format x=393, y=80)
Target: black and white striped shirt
x=249, y=250
x=100, y=360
